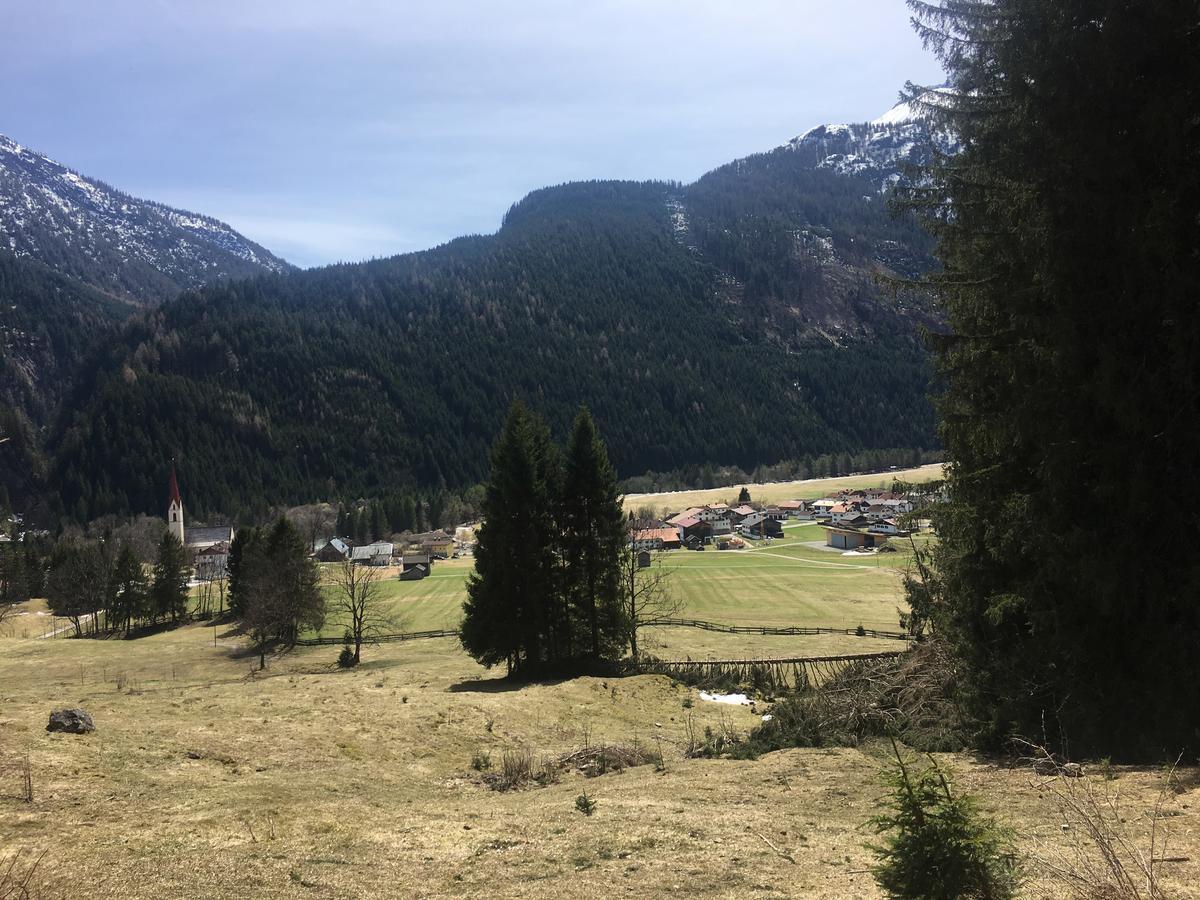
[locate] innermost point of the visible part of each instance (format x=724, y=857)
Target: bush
x=796, y=722
x=481, y=760
x=345, y=659
x=585, y=804
x=939, y=846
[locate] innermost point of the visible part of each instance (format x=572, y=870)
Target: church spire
x=175, y=507
x=174, y=497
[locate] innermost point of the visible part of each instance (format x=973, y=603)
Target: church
x=209, y=546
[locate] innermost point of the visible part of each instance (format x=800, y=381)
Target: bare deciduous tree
x=314, y=521
x=644, y=589
x=358, y=604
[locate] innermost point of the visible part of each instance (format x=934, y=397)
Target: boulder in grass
x=72, y=721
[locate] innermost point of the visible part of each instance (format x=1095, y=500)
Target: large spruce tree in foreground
x=512, y=614
x=1069, y=228
x=593, y=536
x=545, y=590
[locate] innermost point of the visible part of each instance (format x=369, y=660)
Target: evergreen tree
x=73, y=581
x=511, y=594
x=243, y=545
x=1068, y=232
x=14, y=584
x=378, y=523
x=132, y=589
x=296, y=581
x=593, y=537
x=169, y=590
x=744, y=495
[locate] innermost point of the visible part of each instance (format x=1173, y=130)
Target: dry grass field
x=809, y=489
x=206, y=780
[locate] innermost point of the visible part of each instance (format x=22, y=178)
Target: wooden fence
x=791, y=673
x=381, y=638
x=781, y=629
x=675, y=623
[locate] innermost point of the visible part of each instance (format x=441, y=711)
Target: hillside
x=736, y=320
x=129, y=248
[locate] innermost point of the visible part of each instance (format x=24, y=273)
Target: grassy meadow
x=787, y=582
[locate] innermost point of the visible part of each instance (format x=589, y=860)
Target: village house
x=376, y=554
x=665, y=538
x=761, y=526
x=692, y=527
x=437, y=544
x=821, y=508
x=884, y=526
x=692, y=512
x=722, y=526
x=211, y=563
x=794, y=508
x=713, y=512
x=740, y=512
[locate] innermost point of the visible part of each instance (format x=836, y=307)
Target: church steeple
x=175, y=507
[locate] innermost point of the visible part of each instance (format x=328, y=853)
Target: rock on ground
x=72, y=721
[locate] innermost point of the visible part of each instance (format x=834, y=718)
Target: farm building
x=335, y=550
x=415, y=566
x=376, y=554
x=845, y=538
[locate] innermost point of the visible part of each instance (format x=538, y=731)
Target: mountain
x=48, y=324
x=126, y=247
x=739, y=319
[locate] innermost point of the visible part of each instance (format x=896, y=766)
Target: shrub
x=938, y=846
x=345, y=659
x=585, y=804
x=481, y=760
x=794, y=722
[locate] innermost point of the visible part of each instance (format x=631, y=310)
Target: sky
x=339, y=130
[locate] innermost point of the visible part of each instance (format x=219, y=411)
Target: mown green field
x=786, y=582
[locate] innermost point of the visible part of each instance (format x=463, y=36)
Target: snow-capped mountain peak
x=104, y=237
x=877, y=150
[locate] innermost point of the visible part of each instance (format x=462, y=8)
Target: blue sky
x=345, y=129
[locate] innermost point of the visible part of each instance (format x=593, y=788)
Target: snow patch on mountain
x=878, y=150
x=51, y=213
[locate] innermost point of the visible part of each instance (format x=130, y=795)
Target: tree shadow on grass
x=499, y=685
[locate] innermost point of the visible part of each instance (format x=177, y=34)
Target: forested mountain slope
x=735, y=320
x=123, y=246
